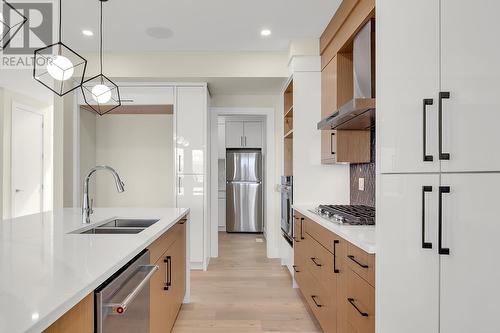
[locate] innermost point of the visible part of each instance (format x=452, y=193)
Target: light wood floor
x=243, y=291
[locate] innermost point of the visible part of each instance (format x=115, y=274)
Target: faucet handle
x=91, y=207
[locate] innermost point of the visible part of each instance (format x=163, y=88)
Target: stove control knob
x=339, y=218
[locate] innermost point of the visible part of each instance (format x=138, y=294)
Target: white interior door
x=470, y=273
x=407, y=270
x=234, y=134
x=27, y=161
x=470, y=73
x=253, y=134
x=407, y=74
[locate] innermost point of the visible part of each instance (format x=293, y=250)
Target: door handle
x=357, y=262
x=241, y=141
x=295, y=269
x=179, y=185
x=179, y=162
x=425, y=245
x=121, y=307
x=335, y=270
x=245, y=141
x=351, y=300
x=331, y=143
x=18, y=190
x=302, y=228
x=168, y=272
x=315, y=262
x=315, y=302
x=442, y=95
x=442, y=250
x=427, y=101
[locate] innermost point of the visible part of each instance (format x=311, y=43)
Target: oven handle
x=121, y=307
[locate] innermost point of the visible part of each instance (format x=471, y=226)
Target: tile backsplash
x=366, y=171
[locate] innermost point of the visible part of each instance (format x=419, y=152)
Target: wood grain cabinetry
x=80, y=319
x=168, y=286
x=335, y=277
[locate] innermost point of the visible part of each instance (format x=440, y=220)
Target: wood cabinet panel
x=80, y=319
x=362, y=263
x=359, y=304
x=158, y=247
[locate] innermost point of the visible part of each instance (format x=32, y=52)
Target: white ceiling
x=196, y=25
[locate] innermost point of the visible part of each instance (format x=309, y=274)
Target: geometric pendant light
x=58, y=67
x=100, y=93
x=11, y=22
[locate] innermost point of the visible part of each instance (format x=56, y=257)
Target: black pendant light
x=58, y=67
x=100, y=93
x=10, y=23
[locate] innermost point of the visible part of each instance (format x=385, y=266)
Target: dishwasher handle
x=121, y=307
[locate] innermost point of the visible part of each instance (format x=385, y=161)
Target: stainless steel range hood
x=358, y=113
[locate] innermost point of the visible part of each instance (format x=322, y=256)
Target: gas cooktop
x=347, y=214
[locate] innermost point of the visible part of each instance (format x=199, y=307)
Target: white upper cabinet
x=253, y=134
x=221, y=146
x=469, y=290
x=234, y=134
x=244, y=134
x=191, y=132
x=141, y=95
x=470, y=73
x=407, y=56
x=407, y=258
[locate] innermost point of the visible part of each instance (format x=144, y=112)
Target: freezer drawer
x=244, y=207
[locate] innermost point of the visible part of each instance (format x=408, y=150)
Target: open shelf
x=289, y=112
x=289, y=135
x=288, y=130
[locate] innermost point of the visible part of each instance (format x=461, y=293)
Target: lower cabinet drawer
x=359, y=304
x=362, y=263
x=320, y=301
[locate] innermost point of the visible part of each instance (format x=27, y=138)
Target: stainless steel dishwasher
x=122, y=302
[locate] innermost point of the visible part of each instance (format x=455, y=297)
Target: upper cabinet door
x=407, y=259
x=407, y=75
x=470, y=272
x=470, y=73
x=234, y=134
x=252, y=134
x=140, y=95
x=191, y=132
x=221, y=143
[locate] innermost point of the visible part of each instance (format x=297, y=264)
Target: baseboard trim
x=222, y=228
x=197, y=265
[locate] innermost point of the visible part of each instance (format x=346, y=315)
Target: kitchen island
x=46, y=269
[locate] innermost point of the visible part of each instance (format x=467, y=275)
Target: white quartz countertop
x=363, y=236
x=45, y=270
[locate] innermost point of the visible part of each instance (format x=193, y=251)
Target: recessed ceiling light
x=265, y=32
x=87, y=33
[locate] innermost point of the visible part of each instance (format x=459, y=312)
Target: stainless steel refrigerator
x=244, y=185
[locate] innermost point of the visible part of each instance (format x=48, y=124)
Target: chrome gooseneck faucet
x=87, y=205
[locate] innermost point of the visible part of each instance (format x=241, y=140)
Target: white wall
x=140, y=148
x=9, y=97
x=88, y=149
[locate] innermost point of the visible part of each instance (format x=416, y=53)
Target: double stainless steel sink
x=120, y=226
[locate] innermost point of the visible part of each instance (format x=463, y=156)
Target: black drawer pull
x=302, y=228
x=335, y=270
x=295, y=269
x=442, y=95
x=427, y=101
x=331, y=143
x=442, y=250
x=315, y=262
x=296, y=240
x=357, y=262
x=182, y=222
x=351, y=300
x=315, y=302
x=425, y=245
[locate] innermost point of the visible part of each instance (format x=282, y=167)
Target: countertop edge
x=45, y=322
x=338, y=229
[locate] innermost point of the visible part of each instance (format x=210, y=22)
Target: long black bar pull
x=427, y=102
x=442, y=95
x=335, y=269
x=425, y=245
x=442, y=250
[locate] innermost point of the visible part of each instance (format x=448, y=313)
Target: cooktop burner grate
x=349, y=214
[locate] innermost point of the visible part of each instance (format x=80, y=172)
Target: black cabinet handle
x=427, y=101
x=315, y=302
x=442, y=95
x=442, y=250
x=315, y=262
x=357, y=262
x=351, y=300
x=168, y=262
x=296, y=240
x=425, y=245
x=335, y=270
x=302, y=228
x=295, y=269
x=331, y=143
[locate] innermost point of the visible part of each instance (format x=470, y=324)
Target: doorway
x=27, y=148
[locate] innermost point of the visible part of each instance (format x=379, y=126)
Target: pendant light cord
x=100, y=47
x=60, y=21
